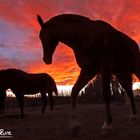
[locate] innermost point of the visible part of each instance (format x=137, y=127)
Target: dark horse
x=22, y=83
x=98, y=48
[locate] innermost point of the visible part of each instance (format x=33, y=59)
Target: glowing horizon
x=62, y=91
x=66, y=90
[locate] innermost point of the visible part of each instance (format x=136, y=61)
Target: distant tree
x=93, y=90
x=116, y=90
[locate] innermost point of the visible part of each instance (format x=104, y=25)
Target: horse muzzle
x=47, y=61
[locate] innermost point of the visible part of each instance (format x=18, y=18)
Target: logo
x=5, y=133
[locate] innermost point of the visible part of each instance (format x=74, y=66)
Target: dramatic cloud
x=21, y=48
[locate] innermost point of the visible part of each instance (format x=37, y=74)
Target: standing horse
x=98, y=48
x=22, y=83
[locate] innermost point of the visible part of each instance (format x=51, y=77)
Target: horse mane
x=70, y=18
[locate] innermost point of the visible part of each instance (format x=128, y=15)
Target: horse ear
x=40, y=20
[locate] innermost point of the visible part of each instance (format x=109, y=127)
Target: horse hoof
x=107, y=126
x=132, y=117
x=106, y=129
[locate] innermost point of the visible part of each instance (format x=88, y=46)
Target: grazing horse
x=22, y=83
x=99, y=48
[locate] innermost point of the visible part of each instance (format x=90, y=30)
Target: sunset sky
x=21, y=48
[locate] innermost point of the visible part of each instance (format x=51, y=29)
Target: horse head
x=49, y=43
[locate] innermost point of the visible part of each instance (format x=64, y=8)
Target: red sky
x=21, y=48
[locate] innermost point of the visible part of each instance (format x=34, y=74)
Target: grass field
x=53, y=125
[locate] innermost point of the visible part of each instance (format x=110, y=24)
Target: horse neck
x=63, y=35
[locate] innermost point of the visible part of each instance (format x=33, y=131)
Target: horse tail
x=55, y=90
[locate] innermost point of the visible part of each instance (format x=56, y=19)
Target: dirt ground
x=53, y=125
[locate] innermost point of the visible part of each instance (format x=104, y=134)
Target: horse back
x=69, y=18
x=20, y=80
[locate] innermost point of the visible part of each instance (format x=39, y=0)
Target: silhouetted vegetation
x=93, y=91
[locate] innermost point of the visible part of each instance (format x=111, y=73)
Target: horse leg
x=2, y=101
x=44, y=98
x=105, y=74
x=84, y=77
x=126, y=82
x=20, y=99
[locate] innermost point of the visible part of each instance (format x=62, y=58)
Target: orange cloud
x=64, y=68
x=25, y=50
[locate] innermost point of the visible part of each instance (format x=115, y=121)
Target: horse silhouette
x=99, y=48
x=22, y=83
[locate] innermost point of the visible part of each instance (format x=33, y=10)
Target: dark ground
x=53, y=125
